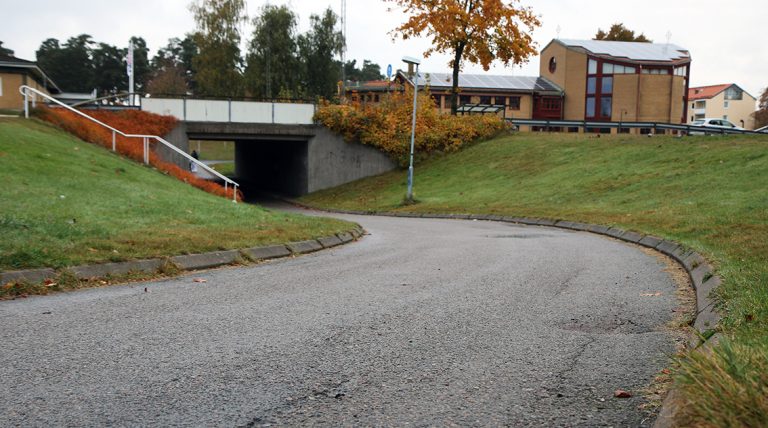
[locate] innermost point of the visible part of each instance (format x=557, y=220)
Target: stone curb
x=700, y=272
x=106, y=269
x=303, y=247
x=186, y=262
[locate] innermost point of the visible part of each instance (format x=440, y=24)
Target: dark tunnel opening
x=271, y=167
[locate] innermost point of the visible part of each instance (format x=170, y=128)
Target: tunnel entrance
x=285, y=160
x=272, y=167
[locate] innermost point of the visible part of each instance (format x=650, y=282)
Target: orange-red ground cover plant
x=130, y=122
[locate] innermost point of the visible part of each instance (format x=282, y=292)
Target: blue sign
x=389, y=71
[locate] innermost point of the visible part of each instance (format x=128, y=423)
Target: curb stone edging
x=187, y=262
x=699, y=271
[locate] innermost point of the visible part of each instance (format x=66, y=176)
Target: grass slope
x=707, y=192
x=65, y=202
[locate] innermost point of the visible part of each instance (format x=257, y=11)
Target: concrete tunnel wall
x=298, y=167
x=289, y=159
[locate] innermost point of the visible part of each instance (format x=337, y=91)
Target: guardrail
x=26, y=90
x=583, y=124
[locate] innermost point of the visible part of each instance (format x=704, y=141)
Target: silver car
x=716, y=124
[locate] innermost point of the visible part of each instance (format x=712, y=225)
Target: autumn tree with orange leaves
x=478, y=31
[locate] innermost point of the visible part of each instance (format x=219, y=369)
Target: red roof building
x=727, y=101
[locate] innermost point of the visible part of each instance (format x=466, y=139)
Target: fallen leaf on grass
x=49, y=283
x=620, y=393
x=200, y=280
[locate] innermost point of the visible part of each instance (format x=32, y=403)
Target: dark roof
x=488, y=82
x=7, y=61
x=372, y=86
x=13, y=59
x=632, y=51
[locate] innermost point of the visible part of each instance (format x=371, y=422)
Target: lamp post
x=416, y=62
x=621, y=120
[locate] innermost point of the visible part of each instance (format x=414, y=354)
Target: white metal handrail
x=24, y=90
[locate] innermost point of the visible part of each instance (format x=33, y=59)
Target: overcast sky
x=726, y=39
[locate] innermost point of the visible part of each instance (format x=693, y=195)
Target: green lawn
x=65, y=202
x=226, y=168
x=710, y=193
x=213, y=150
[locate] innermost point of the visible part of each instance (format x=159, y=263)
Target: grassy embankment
x=65, y=202
x=710, y=193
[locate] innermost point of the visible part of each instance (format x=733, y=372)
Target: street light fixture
x=412, y=61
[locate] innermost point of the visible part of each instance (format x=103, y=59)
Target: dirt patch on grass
x=679, y=327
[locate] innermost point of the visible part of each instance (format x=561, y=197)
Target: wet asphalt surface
x=422, y=322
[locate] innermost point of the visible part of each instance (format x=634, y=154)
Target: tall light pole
x=130, y=71
x=416, y=62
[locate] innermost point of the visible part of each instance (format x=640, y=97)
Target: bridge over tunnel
x=286, y=159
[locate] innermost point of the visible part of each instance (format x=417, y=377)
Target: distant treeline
x=279, y=62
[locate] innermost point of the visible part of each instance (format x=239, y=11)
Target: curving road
x=423, y=322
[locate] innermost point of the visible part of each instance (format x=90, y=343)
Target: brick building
x=592, y=80
x=727, y=101
x=15, y=72
x=619, y=81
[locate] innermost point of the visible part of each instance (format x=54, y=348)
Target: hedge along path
x=132, y=122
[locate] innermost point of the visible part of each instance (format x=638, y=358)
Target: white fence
x=231, y=111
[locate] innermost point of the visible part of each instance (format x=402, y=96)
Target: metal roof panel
x=637, y=51
x=489, y=81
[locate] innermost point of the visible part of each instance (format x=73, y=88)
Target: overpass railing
x=228, y=110
x=588, y=125
x=32, y=93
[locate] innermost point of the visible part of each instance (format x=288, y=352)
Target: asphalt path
x=422, y=322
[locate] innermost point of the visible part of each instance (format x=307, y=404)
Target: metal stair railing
x=25, y=90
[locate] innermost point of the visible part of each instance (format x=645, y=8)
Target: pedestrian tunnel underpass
x=272, y=167
x=289, y=160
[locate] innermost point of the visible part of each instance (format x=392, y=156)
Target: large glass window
x=514, y=103
x=465, y=99
x=590, y=107
x=592, y=68
x=485, y=100
x=734, y=93
x=598, y=104
x=605, y=107
x=591, y=85
x=607, y=87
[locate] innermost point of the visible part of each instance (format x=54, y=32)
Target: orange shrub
x=130, y=122
x=387, y=126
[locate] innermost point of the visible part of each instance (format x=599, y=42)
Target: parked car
x=764, y=130
x=716, y=124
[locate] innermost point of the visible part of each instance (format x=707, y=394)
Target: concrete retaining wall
x=332, y=161
x=177, y=137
